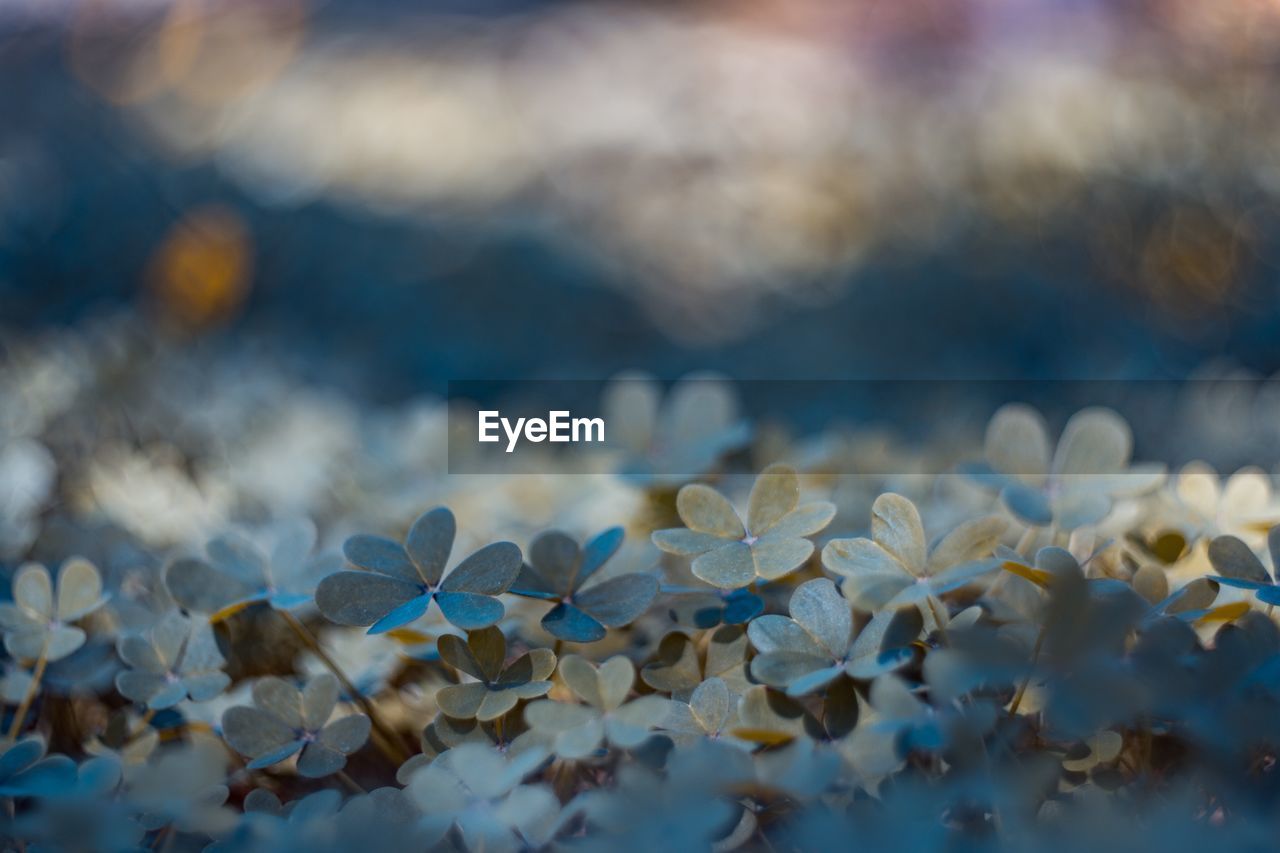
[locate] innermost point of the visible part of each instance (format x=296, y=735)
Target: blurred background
x=391, y=194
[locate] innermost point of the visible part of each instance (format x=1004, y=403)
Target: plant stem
x=389, y=743
x=1022, y=689
x=356, y=787
x=32, y=689
x=1028, y=537
x=142, y=726
x=162, y=839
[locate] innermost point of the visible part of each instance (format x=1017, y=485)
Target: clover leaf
x=176, y=659
x=558, y=569
x=1239, y=567
x=711, y=712
x=399, y=582
x=678, y=668
x=238, y=573
x=771, y=718
x=38, y=621
x=284, y=720
x=895, y=566
x=667, y=442
x=26, y=772
x=817, y=644
x=499, y=685
x=730, y=554
x=578, y=731
x=706, y=606
x=479, y=790
x=1089, y=470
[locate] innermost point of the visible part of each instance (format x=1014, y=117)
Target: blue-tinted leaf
x=468, y=610
x=554, y=558
x=821, y=611
x=729, y=567
x=98, y=776
x=319, y=698
x=202, y=688
x=958, y=576
x=20, y=755
x=781, y=669
x=813, y=681
x=287, y=600
x=167, y=696
x=402, y=615
x=255, y=732
x=430, y=541
x=597, y=552
x=1028, y=504
x=1080, y=508
x=1234, y=559
x=774, y=633
x=362, y=598
x=868, y=667
x=619, y=600
x=572, y=624
x=741, y=606
x=984, y=475
x=489, y=571
x=346, y=734
x=685, y=542
x=237, y=557
x=199, y=587
x=1240, y=583
x=381, y=555
x=777, y=557
x=318, y=760
x=531, y=584
x=275, y=756
x=48, y=777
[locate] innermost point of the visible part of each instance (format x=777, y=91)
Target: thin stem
x=32, y=689
x=391, y=747
x=1028, y=537
x=1035, y=657
x=356, y=787
x=162, y=839
x=143, y=724
x=940, y=618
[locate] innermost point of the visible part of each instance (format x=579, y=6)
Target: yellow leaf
x=1224, y=612
x=763, y=736
x=1261, y=525
x=1039, y=577
x=228, y=611
x=408, y=636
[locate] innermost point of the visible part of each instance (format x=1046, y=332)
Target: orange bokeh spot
x=201, y=273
